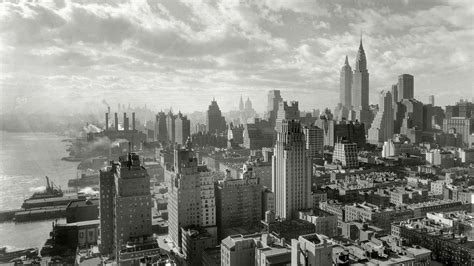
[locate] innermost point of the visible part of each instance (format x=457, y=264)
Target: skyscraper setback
x=292, y=170
x=214, y=120
x=383, y=124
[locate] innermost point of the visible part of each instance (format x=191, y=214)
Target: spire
x=346, y=63
x=361, y=61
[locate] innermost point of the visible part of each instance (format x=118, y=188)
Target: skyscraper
x=382, y=126
x=170, y=126
x=191, y=198
x=405, y=87
x=286, y=112
x=345, y=93
x=241, y=104
x=314, y=140
x=360, y=85
x=360, y=89
x=431, y=100
x=274, y=99
x=214, y=120
x=182, y=129
x=291, y=170
x=125, y=210
x=160, y=127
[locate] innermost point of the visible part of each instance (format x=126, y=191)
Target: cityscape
x=180, y=133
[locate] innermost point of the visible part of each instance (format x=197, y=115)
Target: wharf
x=48, y=202
x=43, y=213
x=8, y=215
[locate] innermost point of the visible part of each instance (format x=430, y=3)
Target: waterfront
x=25, y=160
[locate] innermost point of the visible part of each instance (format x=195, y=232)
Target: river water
x=25, y=160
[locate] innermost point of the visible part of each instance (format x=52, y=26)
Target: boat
x=7, y=256
x=51, y=191
x=86, y=180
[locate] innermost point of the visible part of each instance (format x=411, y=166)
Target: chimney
x=125, y=125
x=116, y=122
x=106, y=121
x=108, y=109
x=133, y=121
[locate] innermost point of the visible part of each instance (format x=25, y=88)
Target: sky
x=65, y=56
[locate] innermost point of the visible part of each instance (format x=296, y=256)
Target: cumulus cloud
x=157, y=51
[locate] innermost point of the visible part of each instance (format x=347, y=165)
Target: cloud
x=157, y=51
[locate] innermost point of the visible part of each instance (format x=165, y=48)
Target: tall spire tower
x=360, y=88
x=345, y=85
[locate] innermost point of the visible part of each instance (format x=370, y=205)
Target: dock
x=37, y=214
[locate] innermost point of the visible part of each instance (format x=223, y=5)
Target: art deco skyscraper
x=274, y=99
x=360, y=89
x=291, y=170
x=345, y=94
x=382, y=126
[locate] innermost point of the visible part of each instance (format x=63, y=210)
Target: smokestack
x=125, y=124
x=116, y=122
x=106, y=121
x=108, y=109
x=133, y=120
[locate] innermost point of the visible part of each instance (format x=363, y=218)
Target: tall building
x=345, y=154
x=274, y=99
x=241, y=104
x=160, y=127
x=463, y=108
x=125, y=210
x=334, y=130
x=292, y=170
x=286, y=112
x=170, y=126
x=314, y=137
x=394, y=99
x=239, y=202
x=431, y=100
x=214, y=120
x=405, y=87
x=182, y=129
x=191, y=200
x=382, y=126
x=460, y=125
x=360, y=89
x=345, y=85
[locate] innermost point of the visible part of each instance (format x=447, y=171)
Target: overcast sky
x=182, y=53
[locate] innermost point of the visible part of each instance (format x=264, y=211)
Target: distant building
x=463, y=109
x=405, y=87
x=376, y=216
x=235, y=135
x=170, y=126
x=431, y=100
x=382, y=126
x=335, y=130
x=463, y=126
x=325, y=223
x=214, y=120
x=161, y=130
x=292, y=170
x=182, y=129
x=436, y=157
x=258, y=135
x=345, y=154
x=274, y=99
x=360, y=90
x=345, y=91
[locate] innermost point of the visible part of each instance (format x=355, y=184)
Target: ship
x=51, y=191
x=7, y=256
x=86, y=180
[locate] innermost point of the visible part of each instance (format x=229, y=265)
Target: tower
x=274, y=99
x=214, y=120
x=291, y=170
x=360, y=89
x=241, y=104
x=383, y=124
x=405, y=87
x=345, y=85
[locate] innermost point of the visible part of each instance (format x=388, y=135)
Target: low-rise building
x=325, y=223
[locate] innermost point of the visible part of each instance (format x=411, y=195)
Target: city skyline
x=61, y=52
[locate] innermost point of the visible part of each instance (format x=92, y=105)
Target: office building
x=214, y=120
x=286, y=112
x=382, y=126
x=353, y=132
x=345, y=154
x=463, y=108
x=125, y=211
x=405, y=87
x=258, y=135
x=292, y=170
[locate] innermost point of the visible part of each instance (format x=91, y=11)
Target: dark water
x=25, y=160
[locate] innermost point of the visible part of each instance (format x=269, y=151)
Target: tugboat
x=7, y=256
